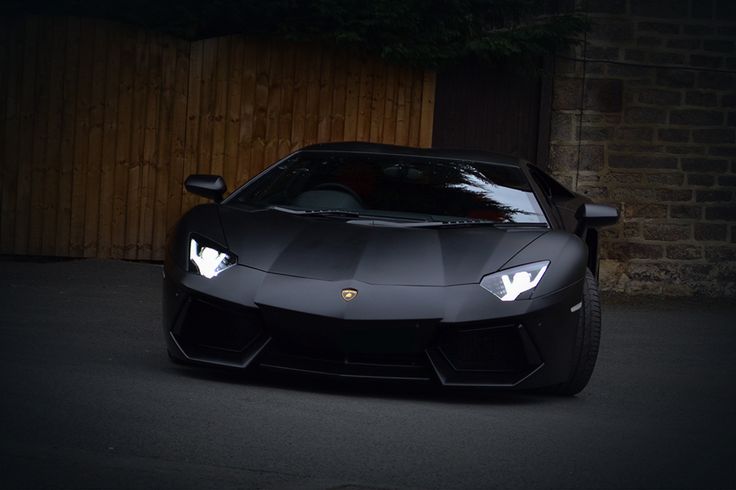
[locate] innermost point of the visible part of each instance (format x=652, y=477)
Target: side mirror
x=595, y=215
x=209, y=186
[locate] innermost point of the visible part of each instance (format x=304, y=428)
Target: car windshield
x=395, y=186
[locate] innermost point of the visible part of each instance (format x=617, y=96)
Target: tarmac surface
x=89, y=399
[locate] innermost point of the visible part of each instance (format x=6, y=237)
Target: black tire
x=587, y=340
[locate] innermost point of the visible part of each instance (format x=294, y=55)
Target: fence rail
x=100, y=123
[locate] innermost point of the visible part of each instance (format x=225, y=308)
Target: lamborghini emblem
x=349, y=294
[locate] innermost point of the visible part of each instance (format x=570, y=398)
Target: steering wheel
x=340, y=188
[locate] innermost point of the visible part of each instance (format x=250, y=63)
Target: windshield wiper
x=318, y=212
x=479, y=222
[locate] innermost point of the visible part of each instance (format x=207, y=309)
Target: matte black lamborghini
x=375, y=261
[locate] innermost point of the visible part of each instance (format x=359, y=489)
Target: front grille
x=483, y=354
x=486, y=349
x=217, y=332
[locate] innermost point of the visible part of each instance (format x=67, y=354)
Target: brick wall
x=648, y=123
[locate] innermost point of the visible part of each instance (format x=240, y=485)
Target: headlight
x=208, y=261
x=508, y=284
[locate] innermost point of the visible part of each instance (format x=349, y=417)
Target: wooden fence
x=100, y=123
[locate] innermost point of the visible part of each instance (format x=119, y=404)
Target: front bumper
x=457, y=335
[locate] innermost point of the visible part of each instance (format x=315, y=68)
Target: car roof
x=363, y=147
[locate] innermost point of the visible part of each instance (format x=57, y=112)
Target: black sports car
x=376, y=261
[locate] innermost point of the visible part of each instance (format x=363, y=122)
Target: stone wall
x=648, y=122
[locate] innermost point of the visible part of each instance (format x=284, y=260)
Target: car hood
x=332, y=249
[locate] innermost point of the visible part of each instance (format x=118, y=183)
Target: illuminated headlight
x=508, y=284
x=208, y=261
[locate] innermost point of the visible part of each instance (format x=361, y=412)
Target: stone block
x=706, y=61
x=722, y=151
x=611, y=30
x=720, y=253
x=602, y=53
x=645, y=115
x=666, y=232
x=727, y=180
x=565, y=157
x=700, y=98
x=595, y=133
x=684, y=43
x=641, y=161
x=567, y=93
x=709, y=232
x=659, y=96
x=675, y=195
x=684, y=252
x=648, y=42
x=716, y=80
x=561, y=127
x=698, y=30
x=606, y=6
x=685, y=150
x=704, y=165
x=701, y=180
x=674, y=135
x=634, y=134
x=696, y=117
x=679, y=211
x=632, y=250
x=659, y=27
x=702, y=9
x=713, y=196
x=603, y=95
x=667, y=58
x=666, y=178
x=718, y=45
x=645, y=211
x=728, y=100
x=636, y=55
x=726, y=10
x=661, y=8
x=715, y=135
x=725, y=213
x=675, y=78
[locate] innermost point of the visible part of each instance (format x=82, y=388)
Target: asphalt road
x=89, y=399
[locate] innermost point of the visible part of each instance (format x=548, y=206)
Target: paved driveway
x=89, y=399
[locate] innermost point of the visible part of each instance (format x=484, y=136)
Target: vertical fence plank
x=11, y=134
x=109, y=143
x=191, y=155
x=163, y=166
x=219, y=97
x=273, y=108
x=150, y=150
x=50, y=197
x=25, y=140
x=283, y=133
x=326, y=87
x=96, y=130
x=364, y=101
x=137, y=142
x=337, y=129
x=232, y=108
x=388, y=133
x=377, y=101
x=178, y=144
x=66, y=153
x=40, y=141
x=123, y=149
x=251, y=51
x=352, y=102
x=427, y=109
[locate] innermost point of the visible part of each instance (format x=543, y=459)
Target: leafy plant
x=419, y=32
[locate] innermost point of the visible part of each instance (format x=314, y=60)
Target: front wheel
x=587, y=339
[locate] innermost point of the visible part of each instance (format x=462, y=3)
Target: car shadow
x=379, y=389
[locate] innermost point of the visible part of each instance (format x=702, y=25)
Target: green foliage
x=419, y=32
